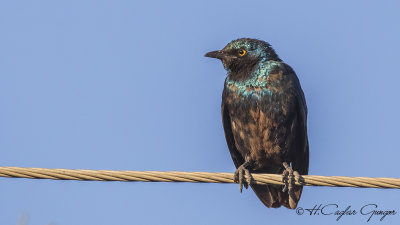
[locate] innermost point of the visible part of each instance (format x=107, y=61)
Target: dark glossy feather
x=271, y=129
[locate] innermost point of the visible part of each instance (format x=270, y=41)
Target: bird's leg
x=289, y=178
x=242, y=174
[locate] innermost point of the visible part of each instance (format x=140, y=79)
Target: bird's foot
x=243, y=176
x=289, y=178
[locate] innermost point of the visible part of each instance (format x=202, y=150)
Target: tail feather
x=273, y=197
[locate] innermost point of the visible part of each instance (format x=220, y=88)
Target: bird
x=264, y=116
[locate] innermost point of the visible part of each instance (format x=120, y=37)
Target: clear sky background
x=123, y=85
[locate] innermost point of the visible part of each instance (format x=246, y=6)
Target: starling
x=264, y=116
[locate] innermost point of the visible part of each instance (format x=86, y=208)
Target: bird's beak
x=215, y=54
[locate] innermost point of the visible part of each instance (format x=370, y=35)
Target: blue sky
x=123, y=85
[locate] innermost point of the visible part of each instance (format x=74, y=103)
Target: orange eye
x=242, y=52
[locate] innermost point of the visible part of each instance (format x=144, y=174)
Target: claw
x=243, y=176
x=288, y=178
x=248, y=178
x=285, y=180
x=298, y=178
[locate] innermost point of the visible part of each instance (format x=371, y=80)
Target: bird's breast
x=260, y=130
x=260, y=84
x=255, y=134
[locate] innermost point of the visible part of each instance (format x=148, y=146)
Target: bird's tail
x=273, y=197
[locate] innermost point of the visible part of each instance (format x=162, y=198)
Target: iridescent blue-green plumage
x=264, y=115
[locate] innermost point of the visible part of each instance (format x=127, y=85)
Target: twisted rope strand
x=194, y=177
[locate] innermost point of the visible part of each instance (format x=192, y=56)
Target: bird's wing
x=300, y=153
x=226, y=121
x=301, y=159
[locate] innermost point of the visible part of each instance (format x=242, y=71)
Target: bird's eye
x=242, y=52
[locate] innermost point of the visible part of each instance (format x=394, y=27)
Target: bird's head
x=243, y=54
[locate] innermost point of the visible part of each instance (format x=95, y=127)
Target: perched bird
x=264, y=115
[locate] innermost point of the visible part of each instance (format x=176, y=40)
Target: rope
x=194, y=177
